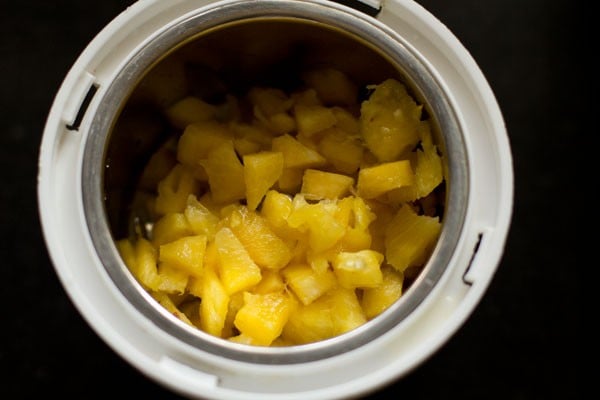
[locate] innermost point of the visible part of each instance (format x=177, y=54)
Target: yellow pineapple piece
x=306, y=283
x=346, y=121
x=170, y=227
x=263, y=316
x=295, y=154
x=310, y=323
x=361, y=269
x=236, y=301
x=290, y=180
x=262, y=244
x=200, y=220
x=159, y=165
x=271, y=281
x=306, y=97
x=194, y=285
x=276, y=209
x=346, y=312
x=171, y=279
x=380, y=179
x=236, y=268
x=214, y=305
x=198, y=139
x=269, y=101
x=188, y=110
x=319, y=221
x=186, y=253
x=261, y=172
x=225, y=173
x=252, y=133
x=126, y=250
x=376, y=300
x=428, y=171
x=343, y=151
x=318, y=185
x=390, y=120
x=142, y=262
x=311, y=119
x=174, y=190
x=410, y=238
x=332, y=85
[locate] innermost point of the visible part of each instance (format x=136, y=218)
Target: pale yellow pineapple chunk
x=333, y=86
x=319, y=221
x=159, y=165
x=171, y=279
x=170, y=227
x=200, y=219
x=376, y=300
x=306, y=97
x=346, y=121
x=261, y=171
x=380, y=179
x=174, y=190
x=270, y=101
x=428, y=171
x=409, y=238
x=295, y=154
x=346, y=312
x=310, y=323
x=199, y=139
x=276, y=209
x=311, y=119
x=263, y=316
x=343, y=151
x=360, y=269
x=236, y=301
x=225, y=174
x=264, y=247
x=186, y=253
x=271, y=281
x=290, y=180
x=188, y=110
x=214, y=305
x=306, y=283
x=390, y=121
x=141, y=259
x=237, y=269
x=318, y=185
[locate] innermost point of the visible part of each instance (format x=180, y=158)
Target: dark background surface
x=522, y=341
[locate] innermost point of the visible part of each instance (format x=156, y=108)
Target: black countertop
x=522, y=340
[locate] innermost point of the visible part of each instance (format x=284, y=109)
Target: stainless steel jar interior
x=229, y=48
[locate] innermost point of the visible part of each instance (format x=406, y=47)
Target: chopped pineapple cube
x=333, y=86
x=380, y=179
x=261, y=171
x=263, y=316
x=311, y=119
x=343, y=151
x=186, y=253
x=359, y=269
x=236, y=268
x=390, y=121
x=214, y=305
x=308, y=284
x=376, y=300
x=264, y=247
x=409, y=238
x=170, y=227
x=295, y=154
x=225, y=173
x=174, y=190
x=188, y=110
x=318, y=185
